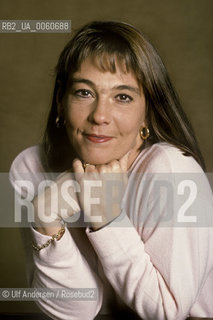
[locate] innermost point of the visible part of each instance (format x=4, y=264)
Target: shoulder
x=165, y=177
x=29, y=160
x=27, y=166
x=164, y=158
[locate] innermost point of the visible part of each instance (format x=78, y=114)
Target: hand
x=57, y=202
x=102, y=189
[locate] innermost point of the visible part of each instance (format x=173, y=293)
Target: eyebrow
x=119, y=87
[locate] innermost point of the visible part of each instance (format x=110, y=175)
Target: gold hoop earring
x=60, y=122
x=144, y=133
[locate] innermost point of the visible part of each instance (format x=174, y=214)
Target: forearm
x=155, y=287
x=61, y=265
x=48, y=231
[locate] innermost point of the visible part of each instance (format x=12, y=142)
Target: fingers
x=77, y=166
x=113, y=166
x=90, y=168
x=124, y=161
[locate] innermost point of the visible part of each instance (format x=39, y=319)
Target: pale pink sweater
x=161, y=268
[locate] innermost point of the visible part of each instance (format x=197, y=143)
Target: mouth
x=97, y=138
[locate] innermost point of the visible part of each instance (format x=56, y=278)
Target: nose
x=100, y=113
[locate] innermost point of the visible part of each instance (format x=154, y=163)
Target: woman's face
x=104, y=112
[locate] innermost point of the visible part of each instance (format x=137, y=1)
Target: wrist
x=50, y=231
x=46, y=228
x=97, y=226
x=54, y=237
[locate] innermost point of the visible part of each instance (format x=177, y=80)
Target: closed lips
x=97, y=138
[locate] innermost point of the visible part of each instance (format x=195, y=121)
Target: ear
x=143, y=124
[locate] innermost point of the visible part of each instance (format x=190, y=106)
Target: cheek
x=72, y=123
x=132, y=125
x=73, y=117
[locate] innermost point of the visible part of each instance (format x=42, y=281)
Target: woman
x=116, y=121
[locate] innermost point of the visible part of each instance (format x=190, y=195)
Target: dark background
x=181, y=30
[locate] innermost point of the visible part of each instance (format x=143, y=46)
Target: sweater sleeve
x=158, y=269
x=61, y=264
x=160, y=278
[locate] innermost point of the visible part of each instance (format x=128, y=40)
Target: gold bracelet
x=54, y=237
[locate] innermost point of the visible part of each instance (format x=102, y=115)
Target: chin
x=97, y=159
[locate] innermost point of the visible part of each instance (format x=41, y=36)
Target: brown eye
x=124, y=98
x=84, y=93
